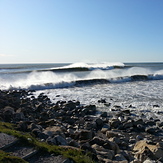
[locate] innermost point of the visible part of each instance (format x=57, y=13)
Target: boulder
x=115, y=123
x=97, y=140
x=99, y=123
x=106, y=153
x=160, y=124
x=151, y=130
x=105, y=128
x=138, y=122
x=85, y=135
x=60, y=140
x=55, y=130
x=34, y=126
x=104, y=114
x=111, y=134
x=69, y=105
x=51, y=141
x=90, y=125
x=120, y=157
x=22, y=126
x=90, y=109
x=128, y=124
x=8, y=113
x=143, y=150
x=19, y=116
x=112, y=146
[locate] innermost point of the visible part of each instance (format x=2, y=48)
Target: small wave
x=90, y=82
x=139, y=77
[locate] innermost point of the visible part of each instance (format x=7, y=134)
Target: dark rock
x=151, y=130
x=85, y=135
x=19, y=116
x=90, y=109
x=156, y=106
x=104, y=114
x=73, y=143
x=102, y=101
x=112, y=146
x=69, y=106
x=102, y=152
x=42, y=135
x=111, y=134
x=34, y=126
x=22, y=126
x=35, y=132
x=150, y=123
x=60, y=140
x=161, y=124
x=90, y=125
x=140, y=128
x=128, y=124
x=51, y=141
x=120, y=157
x=126, y=112
x=8, y=113
x=99, y=123
x=105, y=128
x=115, y=123
x=138, y=122
x=98, y=141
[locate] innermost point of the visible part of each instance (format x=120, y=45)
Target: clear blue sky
x=50, y=31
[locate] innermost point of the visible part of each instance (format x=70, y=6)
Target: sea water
x=138, y=86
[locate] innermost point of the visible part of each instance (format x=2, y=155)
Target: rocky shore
x=120, y=135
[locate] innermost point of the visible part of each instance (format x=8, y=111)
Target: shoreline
x=110, y=137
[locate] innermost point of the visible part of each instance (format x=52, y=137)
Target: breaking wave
x=51, y=80
x=88, y=67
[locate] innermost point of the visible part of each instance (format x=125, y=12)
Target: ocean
x=138, y=86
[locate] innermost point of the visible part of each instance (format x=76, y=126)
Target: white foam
x=141, y=95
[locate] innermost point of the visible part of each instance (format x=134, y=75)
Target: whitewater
x=138, y=86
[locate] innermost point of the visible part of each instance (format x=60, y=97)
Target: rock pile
x=117, y=136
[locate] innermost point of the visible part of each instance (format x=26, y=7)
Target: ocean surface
x=137, y=86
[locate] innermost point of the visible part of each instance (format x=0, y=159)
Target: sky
x=68, y=31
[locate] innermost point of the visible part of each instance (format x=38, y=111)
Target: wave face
x=39, y=77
